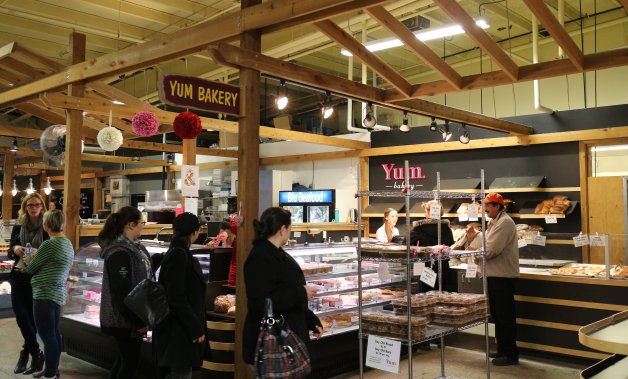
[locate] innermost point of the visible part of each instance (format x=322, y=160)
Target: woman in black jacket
x=270, y=272
x=126, y=264
x=29, y=230
x=179, y=341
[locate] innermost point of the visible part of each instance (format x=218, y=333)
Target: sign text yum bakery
x=397, y=174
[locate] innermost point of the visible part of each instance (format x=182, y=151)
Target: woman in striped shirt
x=50, y=268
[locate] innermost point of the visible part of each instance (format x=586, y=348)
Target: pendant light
x=30, y=189
x=14, y=190
x=433, y=125
x=47, y=187
x=14, y=148
x=404, y=124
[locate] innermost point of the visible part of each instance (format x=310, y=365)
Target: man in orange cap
x=502, y=270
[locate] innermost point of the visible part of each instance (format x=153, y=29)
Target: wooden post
x=7, y=186
x=248, y=180
x=189, y=158
x=72, y=172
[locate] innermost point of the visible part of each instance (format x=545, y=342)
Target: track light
x=14, y=190
x=433, y=125
x=47, y=187
x=369, y=119
x=170, y=158
x=30, y=189
x=14, y=146
x=328, y=107
x=404, y=124
x=465, y=137
x=446, y=133
x=282, y=96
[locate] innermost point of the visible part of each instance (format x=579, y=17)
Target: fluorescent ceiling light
x=597, y=149
x=424, y=35
x=118, y=102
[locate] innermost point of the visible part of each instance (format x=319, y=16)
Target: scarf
x=33, y=234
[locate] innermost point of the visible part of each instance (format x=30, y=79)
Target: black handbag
x=280, y=353
x=149, y=302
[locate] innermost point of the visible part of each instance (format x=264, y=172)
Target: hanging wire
x=514, y=96
x=584, y=74
x=594, y=48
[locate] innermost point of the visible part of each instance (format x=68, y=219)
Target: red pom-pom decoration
x=145, y=123
x=187, y=125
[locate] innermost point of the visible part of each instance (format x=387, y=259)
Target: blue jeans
x=47, y=321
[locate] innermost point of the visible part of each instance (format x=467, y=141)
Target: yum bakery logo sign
x=396, y=175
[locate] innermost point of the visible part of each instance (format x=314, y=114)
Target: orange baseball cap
x=494, y=197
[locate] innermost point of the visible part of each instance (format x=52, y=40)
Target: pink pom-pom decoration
x=145, y=123
x=187, y=125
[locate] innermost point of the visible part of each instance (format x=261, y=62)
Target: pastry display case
x=607, y=335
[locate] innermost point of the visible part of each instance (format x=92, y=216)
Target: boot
x=21, y=362
x=37, y=363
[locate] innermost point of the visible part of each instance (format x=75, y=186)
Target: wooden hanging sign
x=197, y=93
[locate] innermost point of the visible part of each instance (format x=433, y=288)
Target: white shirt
x=381, y=233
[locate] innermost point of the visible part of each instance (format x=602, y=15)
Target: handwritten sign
x=581, y=240
x=435, y=211
x=473, y=212
x=472, y=270
x=417, y=268
x=383, y=354
x=192, y=92
x=428, y=276
x=463, y=217
x=551, y=219
x=539, y=240
x=597, y=240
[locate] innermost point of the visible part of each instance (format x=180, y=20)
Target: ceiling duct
x=416, y=23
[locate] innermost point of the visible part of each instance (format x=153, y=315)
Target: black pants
x=22, y=300
x=501, y=298
x=128, y=358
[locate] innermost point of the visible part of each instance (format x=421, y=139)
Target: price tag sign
x=463, y=217
x=551, y=219
x=435, y=211
x=473, y=212
x=581, y=240
x=296, y=234
x=522, y=243
x=417, y=268
x=539, y=240
x=472, y=270
x=428, y=276
x=597, y=240
x=383, y=354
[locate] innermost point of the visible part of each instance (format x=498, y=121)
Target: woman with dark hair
x=179, y=341
x=126, y=264
x=270, y=272
x=27, y=235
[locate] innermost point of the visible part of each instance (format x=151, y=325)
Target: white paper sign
x=417, y=268
x=191, y=205
x=597, y=240
x=428, y=276
x=581, y=240
x=435, y=211
x=521, y=243
x=539, y=240
x=473, y=212
x=383, y=353
x=463, y=217
x=551, y=219
x=296, y=234
x=472, y=270
x=189, y=180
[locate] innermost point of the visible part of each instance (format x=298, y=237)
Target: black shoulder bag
x=149, y=302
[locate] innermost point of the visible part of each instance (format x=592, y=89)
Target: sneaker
x=505, y=361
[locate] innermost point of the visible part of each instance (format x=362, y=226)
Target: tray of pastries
x=558, y=204
x=455, y=298
x=310, y=269
x=578, y=269
x=617, y=272
x=386, y=323
x=338, y=320
x=458, y=321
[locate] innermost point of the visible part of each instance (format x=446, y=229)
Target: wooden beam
x=15, y=131
x=55, y=116
x=121, y=159
x=30, y=56
x=420, y=49
x=87, y=175
x=22, y=152
x=292, y=72
x=550, y=69
x=7, y=186
x=69, y=102
x=482, y=38
x=21, y=67
x=487, y=143
x=131, y=171
x=341, y=37
x=178, y=44
x=625, y=4
x=558, y=32
x=309, y=157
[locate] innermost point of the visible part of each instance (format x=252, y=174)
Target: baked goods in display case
x=223, y=303
x=578, y=269
x=310, y=269
x=617, y=272
x=338, y=320
x=559, y=204
x=389, y=324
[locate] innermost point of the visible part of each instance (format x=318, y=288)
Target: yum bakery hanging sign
x=191, y=92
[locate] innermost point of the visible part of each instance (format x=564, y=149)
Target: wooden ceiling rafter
x=557, y=31
x=543, y=70
x=344, y=39
x=290, y=71
x=624, y=3
x=420, y=49
x=457, y=13
x=178, y=44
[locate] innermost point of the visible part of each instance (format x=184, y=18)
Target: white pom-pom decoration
x=109, y=138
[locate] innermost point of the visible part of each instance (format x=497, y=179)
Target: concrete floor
x=462, y=360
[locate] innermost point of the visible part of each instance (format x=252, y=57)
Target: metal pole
x=408, y=266
x=484, y=281
x=440, y=275
x=359, y=252
x=607, y=255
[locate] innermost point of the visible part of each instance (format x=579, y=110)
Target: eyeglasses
x=142, y=222
x=33, y=205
